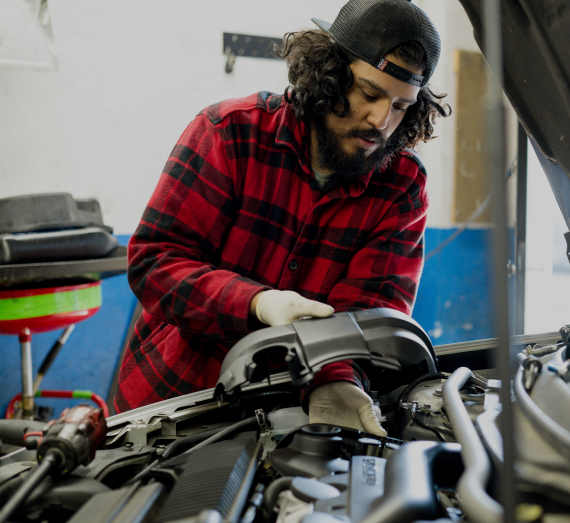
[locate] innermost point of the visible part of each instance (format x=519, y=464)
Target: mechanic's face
x=378, y=103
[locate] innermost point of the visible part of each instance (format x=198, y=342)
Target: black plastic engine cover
x=385, y=337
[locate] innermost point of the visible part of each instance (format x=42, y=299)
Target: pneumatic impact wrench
x=63, y=445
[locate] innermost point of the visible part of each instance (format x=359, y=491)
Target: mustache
x=372, y=135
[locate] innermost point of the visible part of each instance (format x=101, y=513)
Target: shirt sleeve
x=174, y=252
x=384, y=273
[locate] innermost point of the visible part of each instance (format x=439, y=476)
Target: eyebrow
x=383, y=91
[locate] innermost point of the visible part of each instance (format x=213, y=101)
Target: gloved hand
x=343, y=404
x=282, y=307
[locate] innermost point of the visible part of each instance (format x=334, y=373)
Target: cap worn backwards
x=369, y=29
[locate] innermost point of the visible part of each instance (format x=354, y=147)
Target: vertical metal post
x=51, y=355
x=25, y=338
x=520, y=231
x=496, y=170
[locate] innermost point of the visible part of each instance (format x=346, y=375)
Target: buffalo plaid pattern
x=238, y=211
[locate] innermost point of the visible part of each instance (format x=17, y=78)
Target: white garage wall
x=132, y=74
x=439, y=154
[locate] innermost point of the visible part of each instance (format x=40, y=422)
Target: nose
x=380, y=114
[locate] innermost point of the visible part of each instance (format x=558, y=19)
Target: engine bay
x=252, y=455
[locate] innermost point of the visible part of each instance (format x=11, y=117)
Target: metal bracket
x=248, y=45
x=262, y=421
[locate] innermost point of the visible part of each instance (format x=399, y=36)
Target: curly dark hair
x=320, y=77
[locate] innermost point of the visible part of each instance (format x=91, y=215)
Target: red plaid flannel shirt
x=237, y=211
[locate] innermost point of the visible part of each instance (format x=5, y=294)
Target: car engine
x=246, y=452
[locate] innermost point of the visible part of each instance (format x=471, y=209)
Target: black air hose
x=51, y=460
x=424, y=426
x=13, y=431
x=180, y=445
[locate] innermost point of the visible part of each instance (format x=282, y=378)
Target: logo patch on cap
x=382, y=64
x=400, y=73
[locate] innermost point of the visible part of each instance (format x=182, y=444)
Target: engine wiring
x=405, y=393
x=187, y=442
x=219, y=435
x=422, y=424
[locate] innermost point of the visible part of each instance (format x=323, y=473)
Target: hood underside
x=536, y=71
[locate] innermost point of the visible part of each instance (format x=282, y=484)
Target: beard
x=351, y=166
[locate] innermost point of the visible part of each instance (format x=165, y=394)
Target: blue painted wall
x=453, y=302
x=452, y=305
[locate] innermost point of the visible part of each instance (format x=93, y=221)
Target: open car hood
x=536, y=79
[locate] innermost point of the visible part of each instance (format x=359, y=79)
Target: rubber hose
x=404, y=395
x=182, y=444
x=226, y=431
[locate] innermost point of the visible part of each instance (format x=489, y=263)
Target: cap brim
x=321, y=24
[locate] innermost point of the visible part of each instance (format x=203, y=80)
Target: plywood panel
x=471, y=186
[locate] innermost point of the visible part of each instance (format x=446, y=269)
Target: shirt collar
x=294, y=134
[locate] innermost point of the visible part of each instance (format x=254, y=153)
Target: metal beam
x=522, y=341
x=520, y=232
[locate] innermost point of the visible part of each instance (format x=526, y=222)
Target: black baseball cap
x=368, y=29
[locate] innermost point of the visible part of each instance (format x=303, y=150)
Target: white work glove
x=343, y=404
x=282, y=307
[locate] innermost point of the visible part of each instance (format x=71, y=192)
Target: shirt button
x=293, y=265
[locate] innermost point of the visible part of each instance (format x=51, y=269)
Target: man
x=272, y=208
